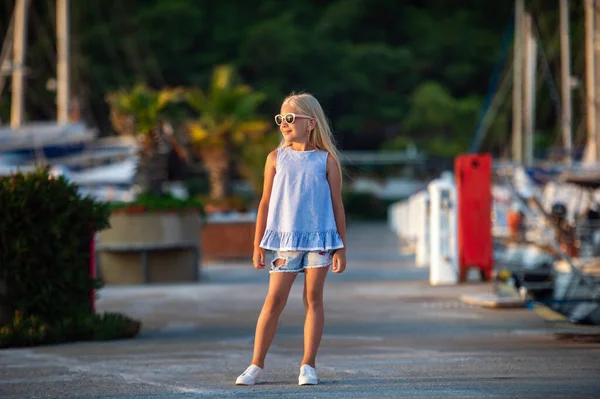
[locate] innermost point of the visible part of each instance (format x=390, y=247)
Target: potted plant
x=146, y=114
x=156, y=238
x=224, y=127
x=226, y=121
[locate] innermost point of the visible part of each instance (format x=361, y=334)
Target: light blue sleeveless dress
x=300, y=210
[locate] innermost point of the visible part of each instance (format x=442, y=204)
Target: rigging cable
x=6, y=49
x=481, y=130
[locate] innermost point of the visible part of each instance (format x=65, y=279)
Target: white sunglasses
x=289, y=118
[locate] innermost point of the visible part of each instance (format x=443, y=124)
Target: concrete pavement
x=388, y=334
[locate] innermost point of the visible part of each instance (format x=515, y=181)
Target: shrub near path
x=45, y=283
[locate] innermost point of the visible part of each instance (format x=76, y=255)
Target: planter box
x=228, y=237
x=230, y=240
x=149, y=247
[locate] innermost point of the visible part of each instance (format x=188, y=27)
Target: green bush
x=45, y=232
x=31, y=330
x=147, y=202
x=24, y=331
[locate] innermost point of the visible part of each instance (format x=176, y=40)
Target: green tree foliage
x=368, y=61
x=435, y=116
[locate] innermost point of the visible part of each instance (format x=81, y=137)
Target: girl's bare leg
x=315, y=315
x=266, y=326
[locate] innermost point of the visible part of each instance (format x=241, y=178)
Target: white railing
x=424, y=230
x=408, y=220
x=425, y=224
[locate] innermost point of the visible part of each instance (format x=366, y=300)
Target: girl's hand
x=339, y=261
x=258, y=258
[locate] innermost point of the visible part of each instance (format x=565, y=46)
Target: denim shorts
x=297, y=261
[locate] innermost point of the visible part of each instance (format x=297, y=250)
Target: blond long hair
x=321, y=137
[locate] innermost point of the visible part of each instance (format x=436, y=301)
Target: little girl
x=300, y=218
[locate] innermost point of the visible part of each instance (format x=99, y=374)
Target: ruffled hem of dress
x=301, y=241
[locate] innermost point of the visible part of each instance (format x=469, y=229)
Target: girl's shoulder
x=272, y=158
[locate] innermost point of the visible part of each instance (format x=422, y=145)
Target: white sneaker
x=249, y=377
x=308, y=376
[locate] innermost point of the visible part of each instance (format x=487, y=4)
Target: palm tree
x=143, y=112
x=226, y=121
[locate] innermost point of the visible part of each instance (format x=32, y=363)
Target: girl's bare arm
x=263, y=207
x=335, y=185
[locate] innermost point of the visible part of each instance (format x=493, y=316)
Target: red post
x=93, y=270
x=474, y=191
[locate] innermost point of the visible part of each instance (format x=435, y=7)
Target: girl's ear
x=313, y=124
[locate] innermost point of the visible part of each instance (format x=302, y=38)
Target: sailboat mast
x=565, y=68
x=62, y=65
x=517, y=106
x=18, y=66
x=592, y=141
x=596, y=87
x=529, y=81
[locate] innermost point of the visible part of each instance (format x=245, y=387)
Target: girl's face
x=298, y=130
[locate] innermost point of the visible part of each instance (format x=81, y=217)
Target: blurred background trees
x=414, y=71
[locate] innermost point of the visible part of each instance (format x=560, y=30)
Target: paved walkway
x=388, y=334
